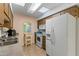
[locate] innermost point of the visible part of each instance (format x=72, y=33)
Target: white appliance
x=39, y=39
x=61, y=35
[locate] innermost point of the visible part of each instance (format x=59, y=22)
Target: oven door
x=39, y=40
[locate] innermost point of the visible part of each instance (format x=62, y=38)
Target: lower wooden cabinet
x=27, y=39
x=7, y=24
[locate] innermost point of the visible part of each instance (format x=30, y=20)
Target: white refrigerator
x=61, y=35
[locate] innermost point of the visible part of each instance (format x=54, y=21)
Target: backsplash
x=3, y=31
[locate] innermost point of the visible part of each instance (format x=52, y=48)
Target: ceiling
x=24, y=9
x=51, y=8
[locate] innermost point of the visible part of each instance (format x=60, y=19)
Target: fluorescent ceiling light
x=34, y=7
x=43, y=10
x=21, y=4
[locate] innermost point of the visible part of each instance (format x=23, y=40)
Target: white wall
x=18, y=22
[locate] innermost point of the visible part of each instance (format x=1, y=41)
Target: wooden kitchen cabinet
x=6, y=9
x=1, y=14
x=10, y=13
x=7, y=24
x=27, y=39
x=8, y=16
x=11, y=16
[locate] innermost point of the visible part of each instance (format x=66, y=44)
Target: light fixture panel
x=34, y=7
x=43, y=10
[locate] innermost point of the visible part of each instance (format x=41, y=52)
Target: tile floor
x=34, y=50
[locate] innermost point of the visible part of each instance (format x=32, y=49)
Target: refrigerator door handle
x=53, y=37
x=48, y=35
x=48, y=39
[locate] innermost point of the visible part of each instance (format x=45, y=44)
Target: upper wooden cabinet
x=1, y=14
x=1, y=7
x=10, y=13
x=5, y=15
x=6, y=9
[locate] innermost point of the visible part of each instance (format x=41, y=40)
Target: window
x=27, y=27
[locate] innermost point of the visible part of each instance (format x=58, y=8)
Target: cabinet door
x=6, y=10
x=10, y=13
x=6, y=24
x=10, y=16
x=1, y=13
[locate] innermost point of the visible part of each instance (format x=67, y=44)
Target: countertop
x=8, y=41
